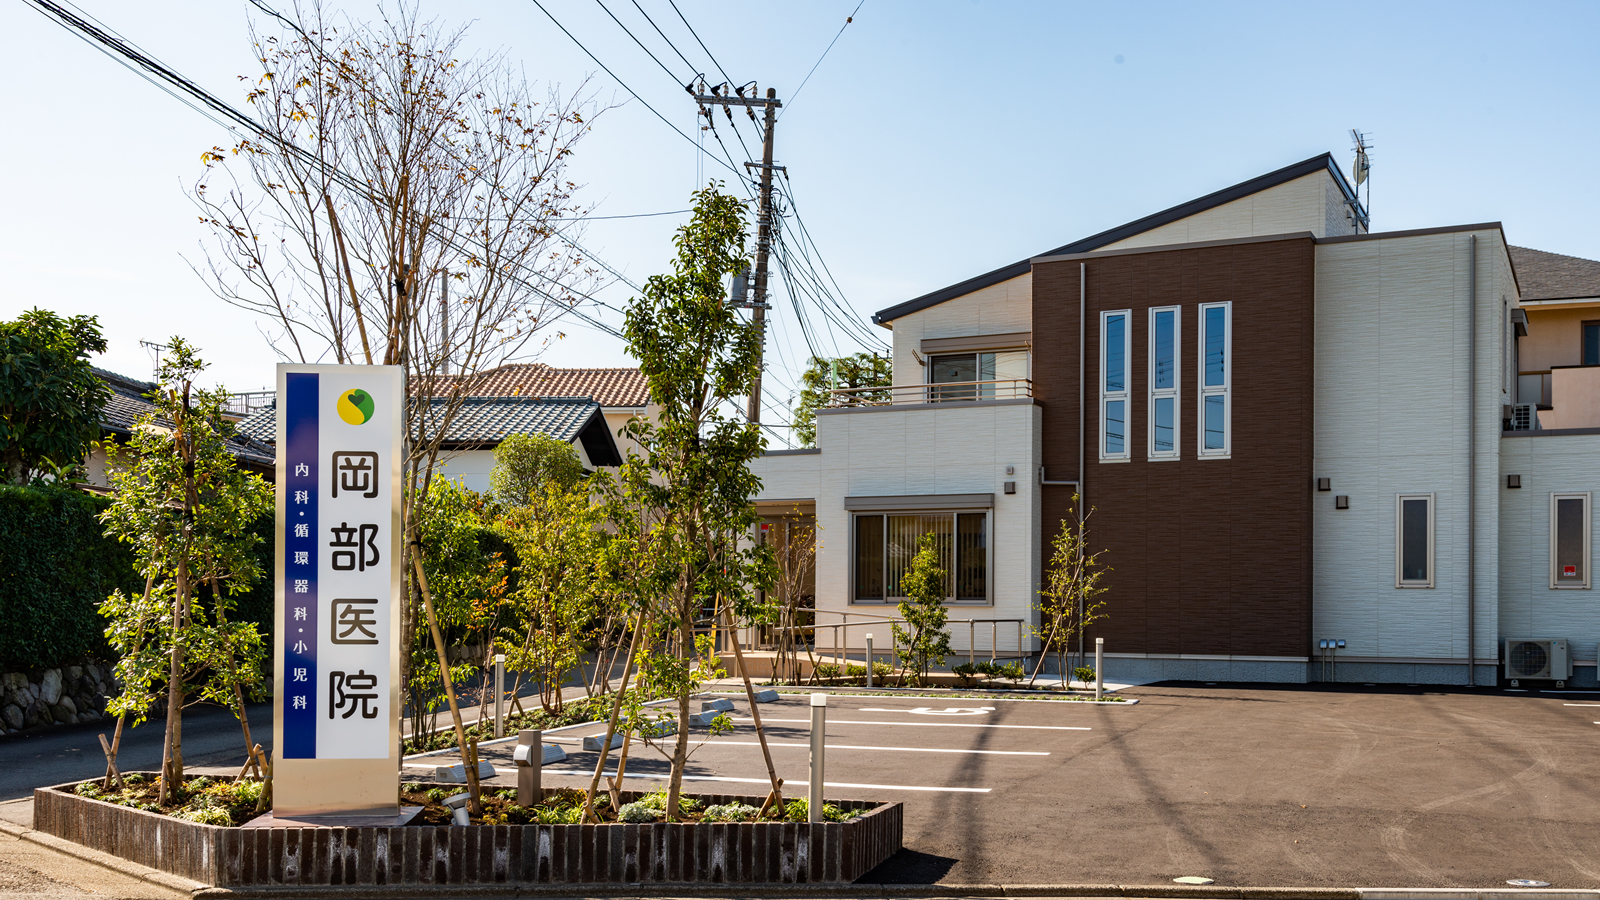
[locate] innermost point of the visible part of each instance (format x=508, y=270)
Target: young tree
x=1070, y=601
x=529, y=465
x=559, y=544
x=926, y=587
x=187, y=510
x=859, y=370
x=794, y=541
x=400, y=206
x=693, y=486
x=50, y=399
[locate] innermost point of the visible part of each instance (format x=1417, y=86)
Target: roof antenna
x=1362, y=168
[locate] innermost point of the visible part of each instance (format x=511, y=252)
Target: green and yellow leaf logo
x=355, y=406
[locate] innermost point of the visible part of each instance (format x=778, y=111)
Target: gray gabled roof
x=1551, y=276
x=486, y=421
x=128, y=404
x=1123, y=232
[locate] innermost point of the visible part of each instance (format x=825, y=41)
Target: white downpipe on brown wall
x=1083, y=280
x=1472, y=456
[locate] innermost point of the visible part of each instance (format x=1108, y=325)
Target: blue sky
x=935, y=142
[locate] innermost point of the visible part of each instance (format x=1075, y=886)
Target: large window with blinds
x=886, y=542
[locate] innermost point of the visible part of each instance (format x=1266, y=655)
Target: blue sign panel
x=300, y=490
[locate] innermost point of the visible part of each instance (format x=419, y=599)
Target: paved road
x=1244, y=784
x=211, y=737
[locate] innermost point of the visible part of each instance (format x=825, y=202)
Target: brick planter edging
x=662, y=852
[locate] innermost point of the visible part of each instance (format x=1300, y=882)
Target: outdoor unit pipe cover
x=1342, y=501
x=1513, y=481
x=1324, y=484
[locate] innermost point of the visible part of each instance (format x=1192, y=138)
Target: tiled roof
x=609, y=387
x=486, y=421
x=127, y=404
x=490, y=420
x=1551, y=276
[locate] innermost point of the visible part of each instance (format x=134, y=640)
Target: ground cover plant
x=564, y=806
x=208, y=801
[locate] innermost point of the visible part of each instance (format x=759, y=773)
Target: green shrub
x=731, y=812
x=1084, y=674
x=638, y=811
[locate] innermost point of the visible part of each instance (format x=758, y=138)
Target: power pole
x=758, y=303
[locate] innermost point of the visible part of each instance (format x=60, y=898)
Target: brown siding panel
x=1211, y=557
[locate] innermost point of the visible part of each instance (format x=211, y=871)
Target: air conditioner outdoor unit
x=1524, y=417
x=1538, y=660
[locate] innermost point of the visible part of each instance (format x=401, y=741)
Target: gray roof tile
x=1552, y=276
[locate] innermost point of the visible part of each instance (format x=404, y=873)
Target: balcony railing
x=949, y=392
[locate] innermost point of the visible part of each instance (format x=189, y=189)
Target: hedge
x=57, y=566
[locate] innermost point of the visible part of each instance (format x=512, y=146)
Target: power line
x=847, y=20
x=636, y=40
x=123, y=51
x=619, y=81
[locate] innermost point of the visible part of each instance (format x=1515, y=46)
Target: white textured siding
x=950, y=449
x=1391, y=418
x=1529, y=607
x=1298, y=205
x=1004, y=308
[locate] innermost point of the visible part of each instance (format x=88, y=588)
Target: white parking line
x=896, y=749
x=924, y=724
x=498, y=770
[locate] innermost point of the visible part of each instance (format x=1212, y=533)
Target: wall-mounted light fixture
x=1324, y=484
x=1011, y=470
x=1513, y=481
x=1341, y=501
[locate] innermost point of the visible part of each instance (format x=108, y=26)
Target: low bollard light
x=819, y=728
x=529, y=756
x=499, y=695
x=869, y=659
x=1099, y=664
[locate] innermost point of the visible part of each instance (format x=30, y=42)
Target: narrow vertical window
x=1216, y=379
x=1569, y=540
x=869, y=559
x=1164, y=338
x=1414, y=541
x=1115, y=348
x=1591, y=344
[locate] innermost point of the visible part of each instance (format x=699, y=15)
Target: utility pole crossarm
x=768, y=101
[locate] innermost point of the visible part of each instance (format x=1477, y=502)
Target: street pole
x=764, y=224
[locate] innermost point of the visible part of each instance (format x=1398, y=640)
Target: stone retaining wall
x=75, y=693
x=704, y=853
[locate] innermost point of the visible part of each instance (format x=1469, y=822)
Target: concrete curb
x=890, y=891
x=105, y=860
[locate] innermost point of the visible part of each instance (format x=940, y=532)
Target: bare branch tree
x=399, y=209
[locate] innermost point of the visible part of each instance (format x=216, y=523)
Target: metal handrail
x=840, y=652
x=945, y=392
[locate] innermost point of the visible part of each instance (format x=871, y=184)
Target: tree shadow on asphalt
x=909, y=867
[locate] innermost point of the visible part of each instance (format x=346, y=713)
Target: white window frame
x=1588, y=565
x=1125, y=395
x=1225, y=390
x=1399, y=541
x=1163, y=393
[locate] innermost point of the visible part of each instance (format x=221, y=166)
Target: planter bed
x=661, y=852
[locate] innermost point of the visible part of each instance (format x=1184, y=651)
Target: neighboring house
x=480, y=424
x=121, y=415
x=622, y=393
x=1290, y=431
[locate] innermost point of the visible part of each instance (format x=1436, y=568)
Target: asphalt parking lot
x=1248, y=785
